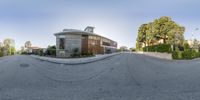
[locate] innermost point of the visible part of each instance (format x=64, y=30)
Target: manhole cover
x=24, y=65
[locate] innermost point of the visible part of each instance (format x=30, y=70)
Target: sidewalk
x=74, y=61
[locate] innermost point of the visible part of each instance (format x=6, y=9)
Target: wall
x=72, y=41
x=158, y=55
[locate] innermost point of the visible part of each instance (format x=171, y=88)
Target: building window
x=62, y=43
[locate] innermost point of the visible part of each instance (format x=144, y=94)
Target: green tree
x=123, y=48
x=142, y=34
x=51, y=51
x=186, y=46
x=1, y=51
x=12, y=50
x=164, y=29
x=9, y=46
x=27, y=44
x=168, y=30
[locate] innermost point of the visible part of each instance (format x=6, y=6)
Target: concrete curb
x=74, y=61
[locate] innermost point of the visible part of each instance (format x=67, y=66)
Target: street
x=127, y=76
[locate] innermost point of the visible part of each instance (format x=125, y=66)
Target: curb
x=76, y=62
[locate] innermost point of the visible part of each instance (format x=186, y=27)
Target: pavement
x=74, y=61
x=127, y=76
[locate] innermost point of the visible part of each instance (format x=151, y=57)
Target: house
x=193, y=43
x=85, y=42
x=32, y=50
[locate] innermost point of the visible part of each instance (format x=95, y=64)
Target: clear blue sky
x=37, y=20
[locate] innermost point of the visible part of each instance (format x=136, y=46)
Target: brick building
x=84, y=41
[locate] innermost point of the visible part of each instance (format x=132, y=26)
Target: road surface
x=122, y=77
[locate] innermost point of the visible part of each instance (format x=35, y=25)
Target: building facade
x=70, y=40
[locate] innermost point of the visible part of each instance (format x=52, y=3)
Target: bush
x=87, y=54
x=1, y=54
x=51, y=51
x=177, y=55
x=76, y=53
x=188, y=54
x=158, y=48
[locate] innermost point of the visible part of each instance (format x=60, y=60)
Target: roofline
x=81, y=33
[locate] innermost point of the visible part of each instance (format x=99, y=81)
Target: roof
x=75, y=31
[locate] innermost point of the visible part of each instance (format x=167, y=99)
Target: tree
x=164, y=29
x=123, y=48
x=28, y=44
x=9, y=46
x=186, y=46
x=142, y=32
x=12, y=50
x=132, y=49
x=51, y=50
x=1, y=51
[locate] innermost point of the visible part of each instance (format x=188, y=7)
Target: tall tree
x=142, y=34
x=168, y=30
x=164, y=29
x=28, y=44
x=9, y=46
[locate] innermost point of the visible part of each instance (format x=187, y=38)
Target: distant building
x=190, y=42
x=160, y=41
x=85, y=41
x=32, y=50
x=195, y=44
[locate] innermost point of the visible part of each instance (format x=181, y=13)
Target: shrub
x=177, y=54
x=158, y=48
x=1, y=54
x=188, y=54
x=186, y=47
x=85, y=54
x=76, y=53
x=51, y=51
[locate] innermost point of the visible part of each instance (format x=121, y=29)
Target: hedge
x=158, y=48
x=191, y=54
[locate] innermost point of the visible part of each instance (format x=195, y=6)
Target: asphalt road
x=122, y=77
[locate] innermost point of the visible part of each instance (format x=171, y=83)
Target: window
x=62, y=43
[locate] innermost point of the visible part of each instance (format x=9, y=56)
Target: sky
x=119, y=20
